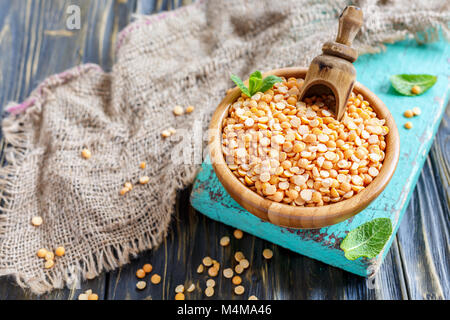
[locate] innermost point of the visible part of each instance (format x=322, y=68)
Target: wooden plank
x=424, y=236
x=34, y=43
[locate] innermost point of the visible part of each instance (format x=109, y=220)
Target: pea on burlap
x=177, y=58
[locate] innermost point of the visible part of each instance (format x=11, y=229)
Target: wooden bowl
x=302, y=217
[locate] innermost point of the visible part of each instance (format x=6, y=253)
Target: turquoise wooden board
x=209, y=197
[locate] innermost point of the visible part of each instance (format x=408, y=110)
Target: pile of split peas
x=296, y=152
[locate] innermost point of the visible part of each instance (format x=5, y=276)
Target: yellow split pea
x=179, y=296
x=60, y=251
x=238, y=234
x=239, y=290
x=49, y=264
x=144, y=180
x=238, y=256
x=228, y=273
x=41, y=253
x=207, y=261
x=141, y=285
x=178, y=110
x=155, y=279
x=225, y=241
x=147, y=268
x=179, y=288
x=140, y=273
x=416, y=90
x=86, y=153
x=191, y=288
x=267, y=254
x=209, y=291
x=36, y=221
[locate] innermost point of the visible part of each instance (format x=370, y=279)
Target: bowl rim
x=294, y=216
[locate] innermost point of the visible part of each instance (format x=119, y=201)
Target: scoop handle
x=350, y=21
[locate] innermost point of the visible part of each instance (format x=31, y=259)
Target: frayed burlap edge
x=17, y=129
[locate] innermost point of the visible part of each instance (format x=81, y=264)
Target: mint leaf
x=240, y=84
x=255, y=82
x=403, y=83
x=268, y=83
x=368, y=239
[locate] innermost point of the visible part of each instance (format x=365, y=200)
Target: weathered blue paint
x=210, y=198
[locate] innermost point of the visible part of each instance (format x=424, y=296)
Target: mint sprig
x=256, y=83
x=368, y=239
x=403, y=83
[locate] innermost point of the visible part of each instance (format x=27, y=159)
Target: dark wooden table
x=34, y=43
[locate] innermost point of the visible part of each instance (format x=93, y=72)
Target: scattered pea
x=166, y=133
x=236, y=280
x=209, y=291
x=228, y=273
x=36, y=221
x=85, y=153
x=239, y=269
x=142, y=165
x=416, y=89
x=190, y=109
x=191, y=288
x=207, y=261
x=60, y=251
x=408, y=114
x=210, y=283
x=225, y=241
x=83, y=296
x=213, y=272
x=244, y=263
x=252, y=297
x=155, y=279
x=416, y=111
x=267, y=254
x=140, y=273
x=123, y=191
x=93, y=296
x=238, y=256
x=239, y=290
x=180, y=296
x=49, y=264
x=200, y=268
x=238, y=234
x=144, y=180
x=408, y=125
x=49, y=255
x=128, y=185
x=41, y=253
x=178, y=110
x=179, y=288
x=141, y=285
x=147, y=268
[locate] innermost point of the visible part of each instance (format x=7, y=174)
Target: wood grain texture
x=33, y=47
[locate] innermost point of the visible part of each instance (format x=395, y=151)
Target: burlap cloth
x=176, y=58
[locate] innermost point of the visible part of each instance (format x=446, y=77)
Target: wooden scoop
x=332, y=73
